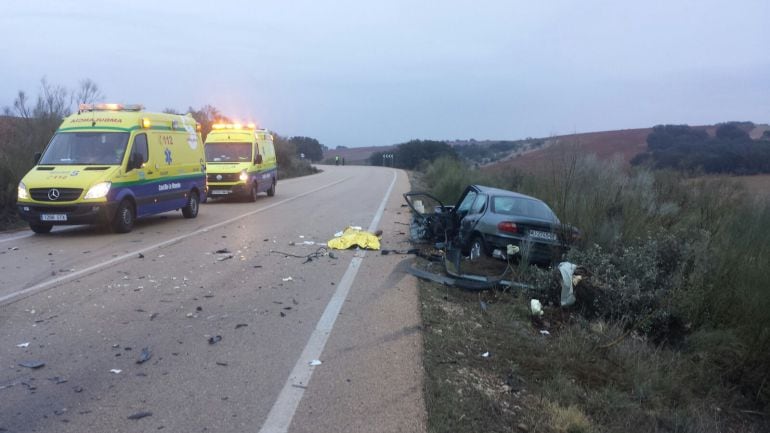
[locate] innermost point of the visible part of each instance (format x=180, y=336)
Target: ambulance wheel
x=253, y=193
x=124, y=217
x=41, y=228
x=271, y=191
x=191, y=210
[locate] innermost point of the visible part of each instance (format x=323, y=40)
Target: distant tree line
x=413, y=153
x=730, y=150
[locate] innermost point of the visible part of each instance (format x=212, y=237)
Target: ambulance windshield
x=228, y=152
x=86, y=148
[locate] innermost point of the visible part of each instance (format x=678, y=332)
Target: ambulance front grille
x=55, y=194
x=224, y=177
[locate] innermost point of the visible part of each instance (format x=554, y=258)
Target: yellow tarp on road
x=352, y=237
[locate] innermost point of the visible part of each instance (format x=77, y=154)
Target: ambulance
x=111, y=164
x=241, y=161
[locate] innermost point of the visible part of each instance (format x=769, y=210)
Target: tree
x=411, y=154
x=731, y=131
x=207, y=116
x=88, y=93
x=310, y=147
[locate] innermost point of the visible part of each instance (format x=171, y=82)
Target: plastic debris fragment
x=33, y=364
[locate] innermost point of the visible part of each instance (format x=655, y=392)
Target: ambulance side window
x=139, y=153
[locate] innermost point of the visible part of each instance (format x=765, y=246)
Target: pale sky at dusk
x=358, y=73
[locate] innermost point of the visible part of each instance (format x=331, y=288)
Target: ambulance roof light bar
x=237, y=125
x=110, y=107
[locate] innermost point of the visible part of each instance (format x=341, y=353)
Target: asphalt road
x=231, y=334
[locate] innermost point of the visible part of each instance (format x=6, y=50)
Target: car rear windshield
x=85, y=148
x=522, y=207
x=228, y=152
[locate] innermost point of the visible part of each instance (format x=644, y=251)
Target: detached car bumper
x=91, y=213
x=537, y=251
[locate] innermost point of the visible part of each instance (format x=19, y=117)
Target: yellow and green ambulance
x=241, y=161
x=110, y=164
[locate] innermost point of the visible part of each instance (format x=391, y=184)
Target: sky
x=372, y=73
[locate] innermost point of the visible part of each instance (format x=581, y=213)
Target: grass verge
x=582, y=376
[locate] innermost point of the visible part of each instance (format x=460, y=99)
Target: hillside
x=621, y=144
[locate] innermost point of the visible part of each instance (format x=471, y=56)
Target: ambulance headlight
x=22, y=191
x=99, y=190
x=244, y=176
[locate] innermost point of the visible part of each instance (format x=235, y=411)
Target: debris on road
x=144, y=356
x=223, y=364
x=317, y=254
x=57, y=380
x=402, y=252
x=287, y=279
x=241, y=325
x=544, y=332
x=139, y=415
x=355, y=236
x=536, y=308
x=116, y=371
x=315, y=363
x=222, y=251
x=33, y=364
x=23, y=345
x=141, y=256
x=215, y=339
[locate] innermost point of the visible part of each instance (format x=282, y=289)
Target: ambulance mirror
x=258, y=159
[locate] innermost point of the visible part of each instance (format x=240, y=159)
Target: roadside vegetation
x=28, y=125
x=678, y=340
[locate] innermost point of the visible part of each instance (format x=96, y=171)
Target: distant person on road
x=337, y=160
x=343, y=160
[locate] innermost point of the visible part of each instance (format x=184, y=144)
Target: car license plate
x=220, y=192
x=542, y=235
x=53, y=217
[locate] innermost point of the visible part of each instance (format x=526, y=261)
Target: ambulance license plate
x=220, y=191
x=53, y=217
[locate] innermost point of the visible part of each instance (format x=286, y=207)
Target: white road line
x=16, y=238
x=48, y=284
x=283, y=410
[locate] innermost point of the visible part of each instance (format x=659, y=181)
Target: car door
x=471, y=219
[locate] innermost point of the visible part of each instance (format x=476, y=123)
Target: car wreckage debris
x=139, y=415
x=144, y=356
x=33, y=364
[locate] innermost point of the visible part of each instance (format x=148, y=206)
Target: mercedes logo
x=219, y=177
x=53, y=194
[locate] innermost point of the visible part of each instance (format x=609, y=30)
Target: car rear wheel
x=271, y=191
x=41, y=228
x=191, y=210
x=477, y=248
x=124, y=217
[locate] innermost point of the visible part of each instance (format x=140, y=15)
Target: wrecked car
x=486, y=220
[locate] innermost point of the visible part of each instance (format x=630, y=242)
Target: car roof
x=497, y=191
